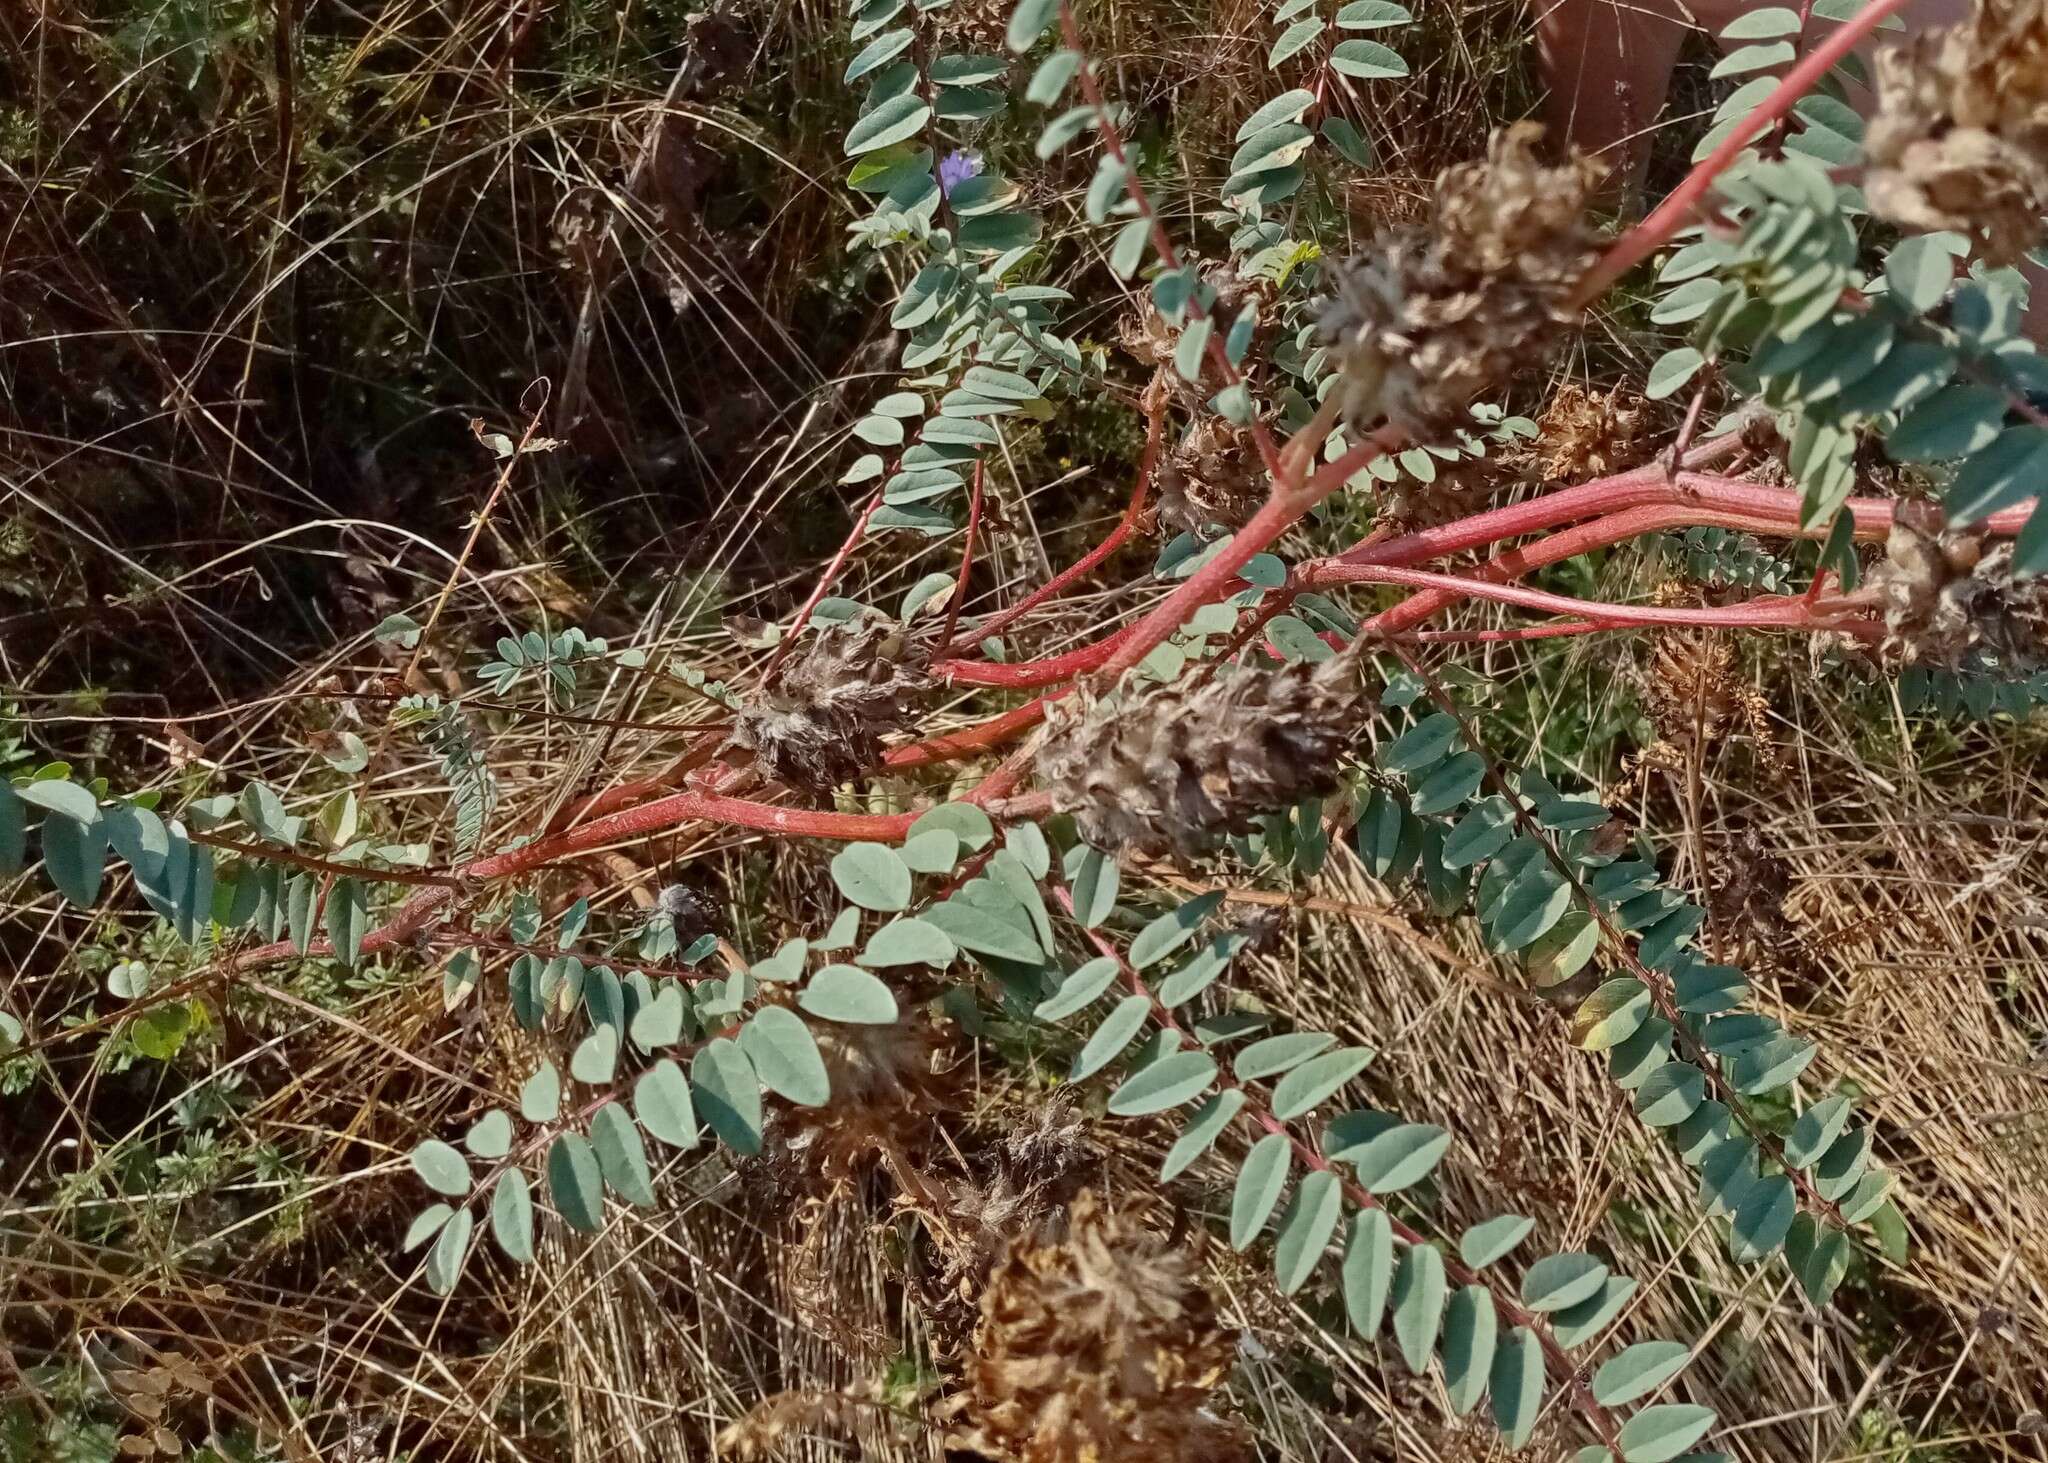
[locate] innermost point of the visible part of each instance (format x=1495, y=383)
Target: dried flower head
x=689, y=911
x=886, y=1083
x=1177, y=767
x=1696, y=693
x=823, y=723
x=780, y=1420
x=1102, y=1346
x=1748, y=887
x=1960, y=139
x=1211, y=476
x=1433, y=316
x=1586, y=434
x=1950, y=601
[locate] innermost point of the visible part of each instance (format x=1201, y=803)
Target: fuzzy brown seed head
x=1211, y=476
x=1103, y=1346
x=1960, y=139
x=1434, y=316
x=1176, y=768
x=823, y=723
x=1951, y=601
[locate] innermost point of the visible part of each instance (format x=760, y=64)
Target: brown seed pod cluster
x=1175, y=768
x=1949, y=600
x=1960, y=139
x=1433, y=316
x=822, y=724
x=1104, y=1345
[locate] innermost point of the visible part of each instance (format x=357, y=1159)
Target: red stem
x=1671, y=215
x=966, y=555
x=803, y=616
x=1124, y=528
x=1772, y=610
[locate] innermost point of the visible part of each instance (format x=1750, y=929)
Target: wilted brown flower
x=1950, y=601
x=1587, y=434
x=1177, y=767
x=1103, y=1346
x=1211, y=476
x=1696, y=693
x=1433, y=316
x=886, y=1083
x=1748, y=886
x=823, y=723
x=1960, y=139
x=782, y=1418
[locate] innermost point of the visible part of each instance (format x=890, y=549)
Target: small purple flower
x=957, y=167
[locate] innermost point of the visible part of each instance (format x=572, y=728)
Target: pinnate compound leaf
x=1276, y=1054
x=540, y=1096
x=490, y=1136
x=1669, y=1095
x=1493, y=1239
x=1418, y=1302
x=1367, y=60
x=425, y=1225
x=976, y=929
x=963, y=820
x=1116, y=1032
x=872, y=875
x=512, y=1217
x=1816, y=1131
x=1174, y=1079
x=894, y=120
x=74, y=853
x=1639, y=1371
x=727, y=1092
x=786, y=1056
x=908, y=941
x=1557, y=1282
x=1368, y=1271
x=849, y=994
x=596, y=1057
x=1208, y=1125
x=1470, y=1330
x=1259, y=1183
x=62, y=796
x=450, y=1251
x=1661, y=1433
x=1762, y=1220
x=1314, y=1080
x=441, y=1167
x=659, y=1023
x=1172, y=930
x=1671, y=371
x=575, y=1183
x=1517, y=1386
x=1079, y=989
x=621, y=1156
x=1398, y=1158
x=1306, y=1228
x=661, y=1100
x=1092, y=878
x=934, y=851
x=1026, y=22
x=1611, y=1014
